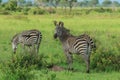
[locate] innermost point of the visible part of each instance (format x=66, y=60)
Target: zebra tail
x=88, y=49
x=39, y=41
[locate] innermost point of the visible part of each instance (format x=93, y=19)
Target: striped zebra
x=30, y=38
x=82, y=44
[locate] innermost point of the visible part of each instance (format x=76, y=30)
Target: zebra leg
x=33, y=50
x=30, y=49
x=69, y=60
x=87, y=61
x=37, y=48
x=23, y=49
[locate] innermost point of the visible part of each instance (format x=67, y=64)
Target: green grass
x=65, y=75
x=104, y=28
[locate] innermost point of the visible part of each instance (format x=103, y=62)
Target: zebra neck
x=63, y=38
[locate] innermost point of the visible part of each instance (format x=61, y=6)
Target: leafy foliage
x=11, y=5
x=38, y=11
x=19, y=67
x=106, y=61
x=107, y=3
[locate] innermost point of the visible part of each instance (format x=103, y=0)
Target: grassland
x=104, y=28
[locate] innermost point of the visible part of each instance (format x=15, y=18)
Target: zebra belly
x=30, y=42
x=72, y=50
x=80, y=50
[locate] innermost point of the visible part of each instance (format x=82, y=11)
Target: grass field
x=104, y=28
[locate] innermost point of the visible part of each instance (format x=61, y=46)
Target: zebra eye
x=59, y=32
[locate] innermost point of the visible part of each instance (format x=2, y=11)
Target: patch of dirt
x=56, y=68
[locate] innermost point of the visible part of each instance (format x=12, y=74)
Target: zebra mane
x=14, y=36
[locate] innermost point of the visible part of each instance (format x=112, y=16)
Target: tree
x=81, y=4
x=94, y=2
x=11, y=5
x=64, y=4
x=70, y=3
x=21, y=2
x=41, y=2
x=29, y=3
x=0, y=1
x=56, y=3
x=106, y=3
x=37, y=2
x=84, y=3
x=116, y=3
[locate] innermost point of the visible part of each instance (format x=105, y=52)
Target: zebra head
x=14, y=42
x=60, y=30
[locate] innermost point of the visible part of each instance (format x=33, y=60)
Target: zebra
x=29, y=38
x=82, y=44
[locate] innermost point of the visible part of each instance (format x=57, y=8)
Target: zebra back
x=27, y=38
x=84, y=43
x=88, y=39
x=32, y=35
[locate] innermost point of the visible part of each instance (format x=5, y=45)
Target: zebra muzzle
x=55, y=36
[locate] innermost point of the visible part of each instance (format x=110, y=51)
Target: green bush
x=99, y=10
x=19, y=67
x=5, y=12
x=51, y=10
x=11, y=5
x=37, y=11
x=105, y=60
x=25, y=10
x=19, y=9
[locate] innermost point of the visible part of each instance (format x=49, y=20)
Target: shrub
x=38, y=11
x=19, y=9
x=5, y=12
x=109, y=10
x=105, y=60
x=51, y=10
x=99, y=10
x=11, y=5
x=25, y=10
x=19, y=67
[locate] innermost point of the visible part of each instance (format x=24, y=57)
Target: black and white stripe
x=30, y=38
x=82, y=44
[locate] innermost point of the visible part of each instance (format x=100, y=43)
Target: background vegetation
x=52, y=6
x=101, y=23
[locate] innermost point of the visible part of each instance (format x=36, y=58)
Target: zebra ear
x=61, y=24
x=55, y=23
